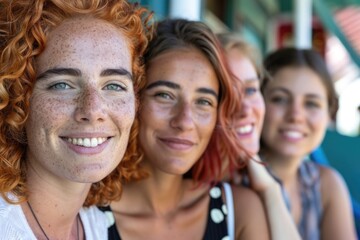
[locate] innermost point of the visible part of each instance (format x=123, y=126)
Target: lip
x=292, y=135
x=82, y=150
x=87, y=135
x=177, y=143
x=245, y=130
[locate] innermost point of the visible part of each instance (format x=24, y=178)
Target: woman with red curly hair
x=69, y=74
x=187, y=111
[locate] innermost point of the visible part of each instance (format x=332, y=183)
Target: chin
x=252, y=150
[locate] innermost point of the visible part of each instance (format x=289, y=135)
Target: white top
x=13, y=224
x=230, y=207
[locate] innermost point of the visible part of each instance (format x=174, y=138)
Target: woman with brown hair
x=300, y=102
x=185, y=134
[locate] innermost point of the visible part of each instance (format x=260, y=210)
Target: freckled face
x=179, y=110
x=83, y=103
x=251, y=117
x=297, y=113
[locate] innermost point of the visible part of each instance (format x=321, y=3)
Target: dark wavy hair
x=224, y=149
x=24, y=27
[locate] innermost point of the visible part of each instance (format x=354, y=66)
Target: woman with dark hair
x=300, y=102
x=69, y=74
x=186, y=132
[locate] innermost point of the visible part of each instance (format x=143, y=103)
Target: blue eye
x=115, y=87
x=60, y=86
x=249, y=91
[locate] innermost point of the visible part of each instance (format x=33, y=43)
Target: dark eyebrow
x=60, y=71
x=207, y=91
x=310, y=95
x=177, y=86
x=77, y=73
x=116, y=71
x=163, y=83
x=281, y=89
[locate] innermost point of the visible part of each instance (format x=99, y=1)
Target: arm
x=250, y=217
x=338, y=221
x=280, y=221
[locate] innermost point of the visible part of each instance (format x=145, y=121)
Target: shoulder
x=12, y=223
x=95, y=222
x=337, y=219
x=250, y=218
x=333, y=185
x=246, y=202
x=329, y=174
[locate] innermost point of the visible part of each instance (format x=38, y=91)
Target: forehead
x=80, y=41
x=298, y=80
x=185, y=66
x=241, y=65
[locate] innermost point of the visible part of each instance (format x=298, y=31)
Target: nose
x=90, y=106
x=182, y=118
x=245, y=108
x=295, y=112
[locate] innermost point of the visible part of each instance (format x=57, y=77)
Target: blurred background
x=330, y=26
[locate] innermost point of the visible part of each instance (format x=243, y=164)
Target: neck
x=162, y=193
x=55, y=204
x=159, y=195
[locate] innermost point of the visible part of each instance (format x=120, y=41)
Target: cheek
x=319, y=120
x=124, y=111
x=154, y=113
x=206, y=122
x=46, y=112
x=258, y=107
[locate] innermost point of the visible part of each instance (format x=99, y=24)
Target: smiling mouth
x=293, y=134
x=177, y=144
x=245, y=129
x=86, y=142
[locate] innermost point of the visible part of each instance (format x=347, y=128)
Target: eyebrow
x=77, y=73
x=116, y=71
x=311, y=95
x=177, y=86
x=251, y=79
x=60, y=71
x=163, y=83
x=208, y=91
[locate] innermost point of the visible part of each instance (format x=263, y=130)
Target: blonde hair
x=230, y=41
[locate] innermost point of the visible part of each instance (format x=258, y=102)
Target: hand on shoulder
x=260, y=179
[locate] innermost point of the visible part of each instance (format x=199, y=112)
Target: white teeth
x=245, y=129
x=293, y=134
x=86, y=142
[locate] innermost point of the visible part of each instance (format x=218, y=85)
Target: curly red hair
x=24, y=26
